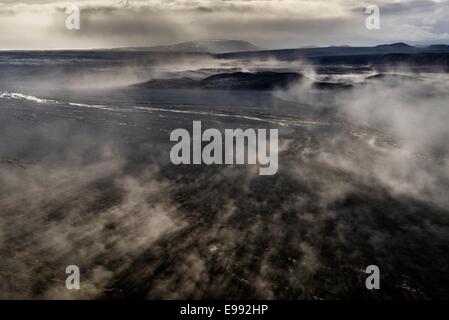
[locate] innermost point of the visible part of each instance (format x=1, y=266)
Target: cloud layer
x=38, y=24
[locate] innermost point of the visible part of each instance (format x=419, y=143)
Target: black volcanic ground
x=85, y=179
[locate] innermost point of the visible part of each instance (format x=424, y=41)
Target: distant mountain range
x=384, y=54
x=238, y=49
x=335, y=51
x=435, y=56
x=203, y=46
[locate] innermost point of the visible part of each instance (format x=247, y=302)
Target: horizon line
x=261, y=48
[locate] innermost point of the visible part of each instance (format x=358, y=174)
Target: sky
x=270, y=24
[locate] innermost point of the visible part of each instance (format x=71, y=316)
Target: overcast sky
x=40, y=24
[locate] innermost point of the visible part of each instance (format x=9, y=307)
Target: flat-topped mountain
x=444, y=47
